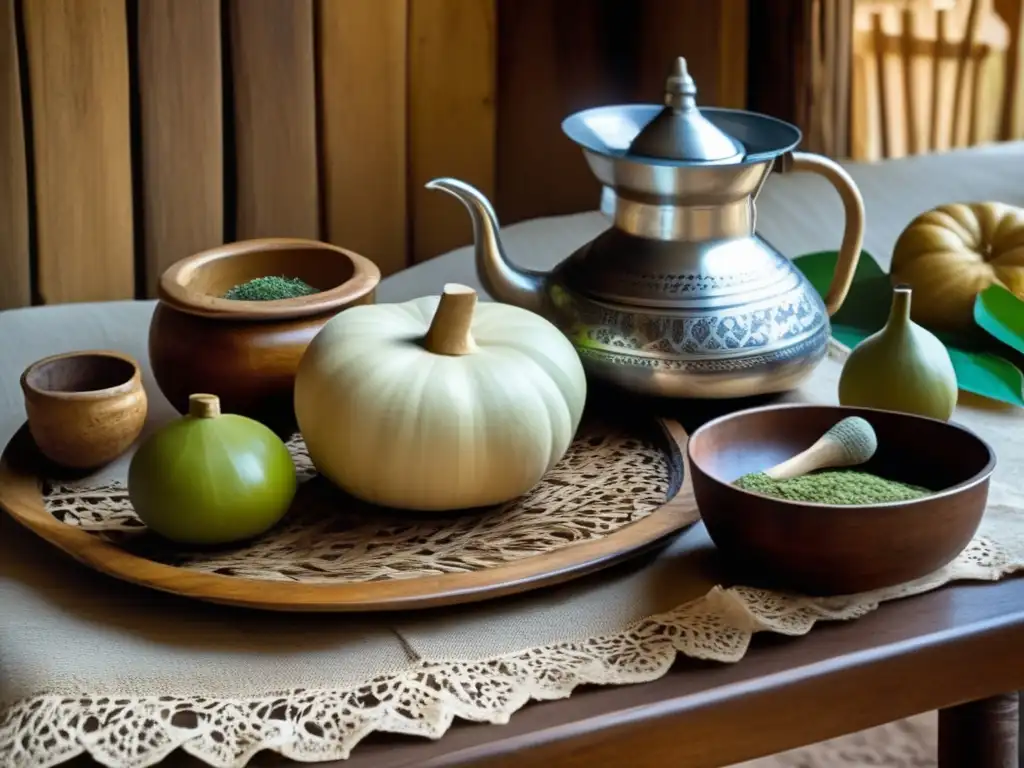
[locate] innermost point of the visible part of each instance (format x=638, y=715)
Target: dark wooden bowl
x=247, y=352
x=822, y=549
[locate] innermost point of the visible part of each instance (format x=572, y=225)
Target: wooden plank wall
x=181, y=116
x=15, y=277
x=363, y=127
x=78, y=70
x=273, y=96
x=559, y=57
x=135, y=132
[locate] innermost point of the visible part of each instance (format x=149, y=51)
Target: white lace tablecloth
x=88, y=664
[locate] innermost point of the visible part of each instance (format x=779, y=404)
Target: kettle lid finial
x=680, y=131
x=679, y=87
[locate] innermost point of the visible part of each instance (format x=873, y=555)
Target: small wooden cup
x=84, y=408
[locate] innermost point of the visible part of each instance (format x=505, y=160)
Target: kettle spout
x=502, y=279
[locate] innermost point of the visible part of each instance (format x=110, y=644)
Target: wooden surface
x=827, y=60
x=556, y=58
x=929, y=78
x=15, y=277
x=778, y=71
x=733, y=54
x=20, y=496
x=78, y=69
x=1011, y=120
x=250, y=365
x=181, y=127
x=197, y=283
x=452, y=96
x=228, y=119
x=786, y=693
x=274, y=111
x=841, y=678
x=868, y=79
x=981, y=734
x=363, y=123
x=550, y=67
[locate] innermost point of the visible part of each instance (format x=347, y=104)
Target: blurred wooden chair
x=826, y=114
x=929, y=75
x=1011, y=123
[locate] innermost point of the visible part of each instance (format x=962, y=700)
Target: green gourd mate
x=902, y=367
x=211, y=478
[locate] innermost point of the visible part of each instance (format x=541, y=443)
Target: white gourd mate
x=439, y=403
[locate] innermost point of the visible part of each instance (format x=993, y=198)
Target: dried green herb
x=833, y=487
x=270, y=288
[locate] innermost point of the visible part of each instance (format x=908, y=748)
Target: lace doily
x=607, y=480
x=424, y=699
x=316, y=725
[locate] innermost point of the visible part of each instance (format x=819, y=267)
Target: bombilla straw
x=850, y=442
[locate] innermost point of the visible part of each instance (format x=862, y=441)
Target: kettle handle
x=853, y=207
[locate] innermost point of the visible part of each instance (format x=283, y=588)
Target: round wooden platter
x=22, y=470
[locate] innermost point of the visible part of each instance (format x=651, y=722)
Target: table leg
x=980, y=734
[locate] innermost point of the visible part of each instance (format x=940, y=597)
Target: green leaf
x=819, y=268
x=847, y=336
x=1001, y=314
x=867, y=304
x=866, y=310
x=988, y=375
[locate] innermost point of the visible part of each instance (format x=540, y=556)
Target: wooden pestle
x=851, y=441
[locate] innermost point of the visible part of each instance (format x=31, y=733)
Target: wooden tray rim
x=21, y=497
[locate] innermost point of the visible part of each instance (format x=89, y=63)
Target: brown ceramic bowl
x=247, y=352
x=822, y=549
x=84, y=408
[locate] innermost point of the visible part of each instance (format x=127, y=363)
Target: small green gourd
x=902, y=367
x=211, y=478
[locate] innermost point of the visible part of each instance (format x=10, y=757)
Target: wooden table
x=958, y=649
x=959, y=644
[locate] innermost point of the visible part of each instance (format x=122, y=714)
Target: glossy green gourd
x=211, y=478
x=903, y=367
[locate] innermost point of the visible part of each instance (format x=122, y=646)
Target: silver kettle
x=680, y=297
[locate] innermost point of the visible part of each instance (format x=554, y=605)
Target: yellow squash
x=951, y=253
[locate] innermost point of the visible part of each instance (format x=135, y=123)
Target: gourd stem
x=899, y=312
x=449, y=332
x=204, y=406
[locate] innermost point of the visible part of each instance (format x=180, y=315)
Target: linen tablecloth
x=67, y=630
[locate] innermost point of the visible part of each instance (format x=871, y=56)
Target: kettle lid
x=680, y=132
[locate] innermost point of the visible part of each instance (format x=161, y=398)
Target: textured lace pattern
x=315, y=725
x=614, y=477
x=424, y=700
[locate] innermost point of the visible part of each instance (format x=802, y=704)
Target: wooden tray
x=613, y=496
